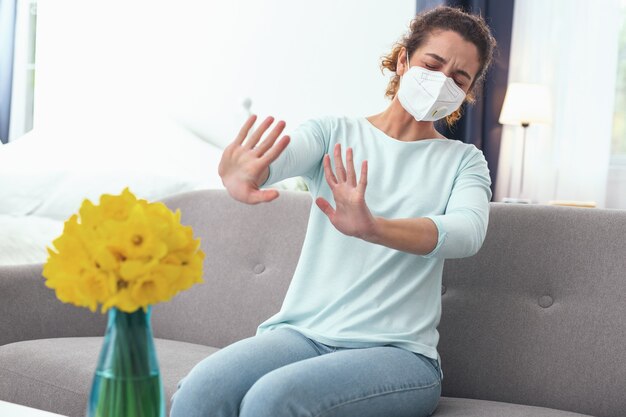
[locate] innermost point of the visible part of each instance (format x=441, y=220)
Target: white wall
x=198, y=60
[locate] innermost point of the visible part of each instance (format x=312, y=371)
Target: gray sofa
x=533, y=325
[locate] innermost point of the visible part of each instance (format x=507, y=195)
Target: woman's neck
x=399, y=124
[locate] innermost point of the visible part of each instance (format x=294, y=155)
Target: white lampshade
x=526, y=103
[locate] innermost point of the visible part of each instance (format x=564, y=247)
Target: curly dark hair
x=470, y=27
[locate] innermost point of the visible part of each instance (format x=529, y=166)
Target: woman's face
x=448, y=52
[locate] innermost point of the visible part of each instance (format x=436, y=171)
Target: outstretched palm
x=243, y=163
x=351, y=216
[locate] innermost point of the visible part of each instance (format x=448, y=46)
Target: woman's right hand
x=244, y=166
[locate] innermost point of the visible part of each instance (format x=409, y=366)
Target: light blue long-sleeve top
x=352, y=293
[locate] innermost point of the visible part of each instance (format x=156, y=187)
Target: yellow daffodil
x=125, y=253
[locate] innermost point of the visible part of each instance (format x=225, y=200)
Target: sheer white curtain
x=570, y=46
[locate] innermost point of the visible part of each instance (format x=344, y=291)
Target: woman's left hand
x=351, y=217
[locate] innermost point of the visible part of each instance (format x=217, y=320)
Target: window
x=22, y=95
x=618, y=144
x=616, y=180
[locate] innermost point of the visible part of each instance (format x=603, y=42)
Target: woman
x=356, y=335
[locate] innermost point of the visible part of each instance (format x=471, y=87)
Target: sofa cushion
x=466, y=407
x=56, y=374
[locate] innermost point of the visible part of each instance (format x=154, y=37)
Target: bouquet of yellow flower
x=125, y=255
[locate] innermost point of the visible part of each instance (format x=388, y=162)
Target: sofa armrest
x=30, y=310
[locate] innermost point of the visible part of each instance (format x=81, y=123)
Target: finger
x=363, y=179
x=271, y=138
x=263, y=196
x=271, y=155
x=341, y=171
x=350, y=167
x=328, y=172
x=256, y=135
x=325, y=207
x=245, y=129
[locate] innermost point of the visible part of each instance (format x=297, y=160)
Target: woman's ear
x=401, y=66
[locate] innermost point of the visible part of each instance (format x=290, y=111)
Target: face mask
x=428, y=95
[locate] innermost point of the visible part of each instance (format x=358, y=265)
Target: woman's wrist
x=374, y=233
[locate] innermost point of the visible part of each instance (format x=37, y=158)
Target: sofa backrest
x=537, y=317
x=251, y=254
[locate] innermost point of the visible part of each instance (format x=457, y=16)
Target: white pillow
x=24, y=239
x=49, y=173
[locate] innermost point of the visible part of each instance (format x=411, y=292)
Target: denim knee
x=202, y=395
x=271, y=396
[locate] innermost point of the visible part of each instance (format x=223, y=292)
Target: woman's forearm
x=418, y=236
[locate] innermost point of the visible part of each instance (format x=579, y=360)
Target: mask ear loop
x=407, y=65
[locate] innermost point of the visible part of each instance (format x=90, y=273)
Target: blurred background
x=197, y=61
x=97, y=95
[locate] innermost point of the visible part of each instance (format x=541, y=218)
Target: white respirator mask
x=428, y=95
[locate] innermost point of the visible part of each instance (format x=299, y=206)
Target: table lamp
x=524, y=104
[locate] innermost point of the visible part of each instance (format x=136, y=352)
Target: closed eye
x=435, y=68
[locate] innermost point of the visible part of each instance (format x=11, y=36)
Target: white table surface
x=15, y=410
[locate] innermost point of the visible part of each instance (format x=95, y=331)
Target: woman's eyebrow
x=444, y=61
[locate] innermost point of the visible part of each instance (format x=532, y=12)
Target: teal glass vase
x=127, y=382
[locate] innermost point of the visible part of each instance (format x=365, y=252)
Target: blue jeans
x=282, y=373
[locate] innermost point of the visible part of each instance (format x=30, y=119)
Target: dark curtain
x=7, y=36
x=479, y=124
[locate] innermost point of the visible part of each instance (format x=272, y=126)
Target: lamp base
x=516, y=200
